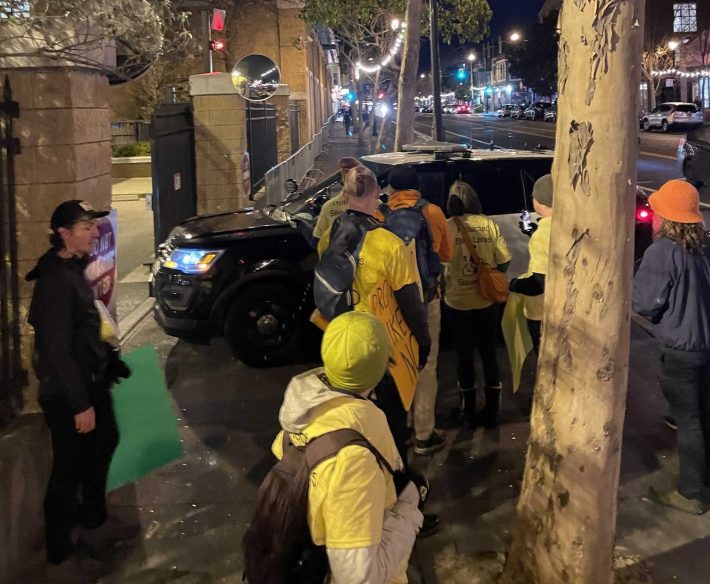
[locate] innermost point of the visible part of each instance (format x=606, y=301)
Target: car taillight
x=644, y=215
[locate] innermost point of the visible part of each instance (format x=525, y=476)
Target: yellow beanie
x=355, y=351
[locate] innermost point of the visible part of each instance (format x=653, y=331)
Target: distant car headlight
x=192, y=261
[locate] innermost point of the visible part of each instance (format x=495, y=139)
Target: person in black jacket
x=672, y=290
x=76, y=370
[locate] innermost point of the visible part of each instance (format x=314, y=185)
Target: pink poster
x=102, y=272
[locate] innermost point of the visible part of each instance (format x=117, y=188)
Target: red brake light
x=644, y=215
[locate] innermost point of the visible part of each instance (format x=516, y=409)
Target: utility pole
x=438, y=128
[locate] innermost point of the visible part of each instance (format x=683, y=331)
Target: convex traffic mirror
x=256, y=77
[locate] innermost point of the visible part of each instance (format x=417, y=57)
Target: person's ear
x=63, y=233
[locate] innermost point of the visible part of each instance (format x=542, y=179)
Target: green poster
x=146, y=422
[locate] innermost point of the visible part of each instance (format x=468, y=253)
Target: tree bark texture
x=408, y=76
x=567, y=506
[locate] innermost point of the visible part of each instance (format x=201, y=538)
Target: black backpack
x=278, y=548
x=335, y=271
x=410, y=224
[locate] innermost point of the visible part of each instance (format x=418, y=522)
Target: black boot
x=466, y=412
x=489, y=415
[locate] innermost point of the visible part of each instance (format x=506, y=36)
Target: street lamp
x=515, y=37
x=471, y=58
x=673, y=45
x=394, y=23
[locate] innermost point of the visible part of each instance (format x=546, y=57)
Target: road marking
x=138, y=275
x=643, y=152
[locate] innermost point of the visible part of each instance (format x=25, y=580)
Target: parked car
x=673, y=115
x=505, y=110
x=537, y=110
x=426, y=109
x=551, y=114
x=518, y=111
x=463, y=109
x=247, y=275
x=448, y=109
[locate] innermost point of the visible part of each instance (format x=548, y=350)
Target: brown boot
x=677, y=501
x=111, y=530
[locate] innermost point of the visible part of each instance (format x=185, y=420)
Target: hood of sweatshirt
x=312, y=408
x=50, y=261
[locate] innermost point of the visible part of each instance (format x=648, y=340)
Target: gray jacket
x=672, y=290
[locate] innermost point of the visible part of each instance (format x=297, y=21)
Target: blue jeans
x=685, y=380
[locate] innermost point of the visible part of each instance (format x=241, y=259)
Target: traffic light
x=218, y=45
x=461, y=75
x=350, y=96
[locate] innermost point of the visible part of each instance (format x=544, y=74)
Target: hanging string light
x=678, y=73
x=372, y=69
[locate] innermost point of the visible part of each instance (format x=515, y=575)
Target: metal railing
x=12, y=376
x=297, y=166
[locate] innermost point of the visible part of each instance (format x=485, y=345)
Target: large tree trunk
x=408, y=76
x=567, y=507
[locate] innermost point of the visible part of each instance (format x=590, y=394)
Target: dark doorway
x=261, y=140
x=172, y=140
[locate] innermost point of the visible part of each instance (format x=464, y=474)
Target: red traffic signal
x=218, y=17
x=217, y=45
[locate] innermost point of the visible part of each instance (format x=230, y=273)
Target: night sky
x=511, y=14
x=508, y=15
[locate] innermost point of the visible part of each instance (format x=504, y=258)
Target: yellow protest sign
x=405, y=349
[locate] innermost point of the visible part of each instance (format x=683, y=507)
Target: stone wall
x=220, y=143
x=65, y=137
x=25, y=464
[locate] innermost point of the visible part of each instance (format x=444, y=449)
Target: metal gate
x=294, y=109
x=172, y=140
x=12, y=377
x=261, y=140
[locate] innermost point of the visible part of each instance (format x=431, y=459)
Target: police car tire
x=247, y=343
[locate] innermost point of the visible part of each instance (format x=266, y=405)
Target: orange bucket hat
x=677, y=200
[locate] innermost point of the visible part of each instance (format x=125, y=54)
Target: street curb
x=130, y=324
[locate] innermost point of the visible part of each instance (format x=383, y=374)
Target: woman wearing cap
x=353, y=507
x=672, y=290
x=76, y=370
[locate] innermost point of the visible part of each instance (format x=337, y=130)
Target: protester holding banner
x=384, y=255
x=76, y=370
x=474, y=320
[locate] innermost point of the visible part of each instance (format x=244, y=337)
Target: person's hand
x=423, y=355
x=85, y=421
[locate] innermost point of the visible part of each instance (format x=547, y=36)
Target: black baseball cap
x=74, y=211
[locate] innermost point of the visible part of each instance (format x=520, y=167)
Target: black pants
x=535, y=330
x=685, y=380
x=388, y=400
x=475, y=329
x=76, y=493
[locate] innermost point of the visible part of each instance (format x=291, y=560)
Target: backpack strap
x=329, y=444
x=384, y=208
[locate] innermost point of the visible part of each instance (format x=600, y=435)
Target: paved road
x=657, y=163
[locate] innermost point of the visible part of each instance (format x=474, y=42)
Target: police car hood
x=211, y=225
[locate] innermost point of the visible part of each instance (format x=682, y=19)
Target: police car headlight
x=193, y=261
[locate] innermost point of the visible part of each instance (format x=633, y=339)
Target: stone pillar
x=65, y=136
x=65, y=139
x=220, y=143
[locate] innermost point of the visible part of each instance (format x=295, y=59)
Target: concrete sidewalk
x=130, y=189
x=194, y=512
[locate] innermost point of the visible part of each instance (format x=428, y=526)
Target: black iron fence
x=261, y=140
x=129, y=132
x=12, y=376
